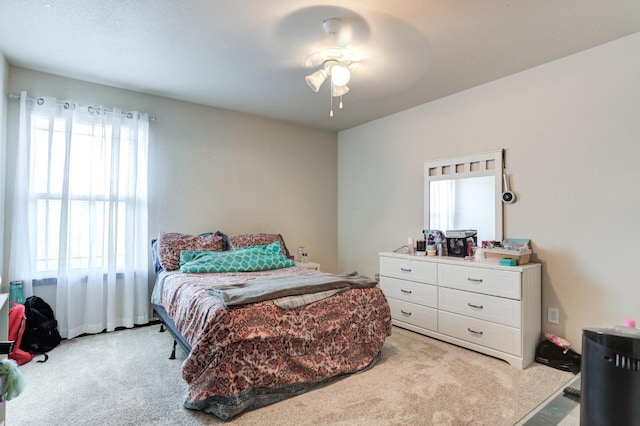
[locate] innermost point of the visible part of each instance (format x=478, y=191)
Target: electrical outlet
x=553, y=315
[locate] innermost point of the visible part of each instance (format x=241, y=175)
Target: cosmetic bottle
x=439, y=246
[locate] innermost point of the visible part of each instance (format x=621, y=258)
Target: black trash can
x=610, y=382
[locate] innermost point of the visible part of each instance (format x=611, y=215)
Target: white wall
x=571, y=129
x=212, y=169
x=4, y=77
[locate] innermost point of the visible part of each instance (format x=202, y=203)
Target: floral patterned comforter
x=248, y=356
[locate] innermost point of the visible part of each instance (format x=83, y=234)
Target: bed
x=258, y=328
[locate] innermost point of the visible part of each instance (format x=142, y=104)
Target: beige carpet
x=125, y=378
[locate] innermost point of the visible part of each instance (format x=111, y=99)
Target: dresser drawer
x=490, y=308
x=409, y=269
x=494, y=282
x=410, y=291
x=484, y=333
x=411, y=313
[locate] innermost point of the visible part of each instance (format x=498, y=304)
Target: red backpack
x=17, y=325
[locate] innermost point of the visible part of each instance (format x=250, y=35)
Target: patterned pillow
x=170, y=244
x=261, y=239
x=248, y=259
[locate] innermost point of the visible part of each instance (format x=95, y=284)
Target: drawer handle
x=475, y=306
x=405, y=291
x=405, y=269
x=479, y=333
x=475, y=280
x=405, y=313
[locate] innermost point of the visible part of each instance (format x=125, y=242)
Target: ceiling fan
x=334, y=63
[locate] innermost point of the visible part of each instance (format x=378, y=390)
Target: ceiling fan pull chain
x=330, y=104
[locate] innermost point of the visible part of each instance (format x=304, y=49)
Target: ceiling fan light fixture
x=340, y=75
x=339, y=90
x=333, y=62
x=315, y=80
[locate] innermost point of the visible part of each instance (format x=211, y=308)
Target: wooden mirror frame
x=469, y=166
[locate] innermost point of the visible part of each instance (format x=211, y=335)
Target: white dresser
x=481, y=306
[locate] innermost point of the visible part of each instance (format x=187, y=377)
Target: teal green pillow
x=247, y=259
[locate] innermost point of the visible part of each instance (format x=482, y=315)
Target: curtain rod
x=16, y=96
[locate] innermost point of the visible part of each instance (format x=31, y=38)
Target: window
x=80, y=212
x=96, y=180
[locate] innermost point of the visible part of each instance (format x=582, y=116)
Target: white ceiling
x=249, y=55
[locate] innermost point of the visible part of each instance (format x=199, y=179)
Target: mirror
x=462, y=204
x=465, y=193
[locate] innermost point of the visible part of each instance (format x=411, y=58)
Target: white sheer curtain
x=80, y=212
x=442, y=204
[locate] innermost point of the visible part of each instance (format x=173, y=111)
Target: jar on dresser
x=482, y=306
